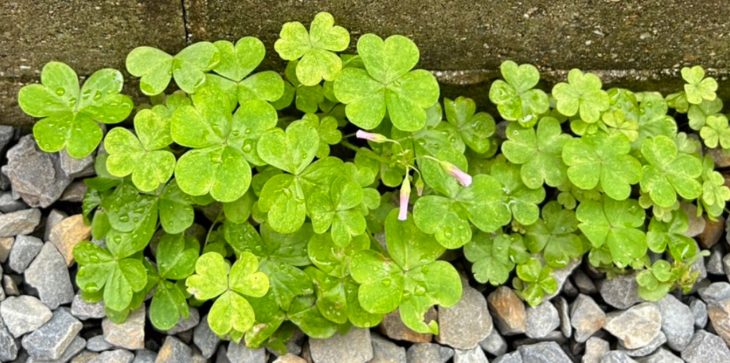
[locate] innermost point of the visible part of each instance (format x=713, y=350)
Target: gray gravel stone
x=617, y=356
x=68, y=233
x=24, y=314
x=74, y=168
x=706, y=348
x=25, y=249
x=677, y=322
x=85, y=310
x=699, y=311
x=8, y=347
x=20, y=222
x=76, y=346
x=54, y=217
x=35, y=175
x=726, y=264
x=10, y=203
x=545, y=352
x=291, y=358
x=583, y=282
x=74, y=192
x=564, y=312
x=621, y=292
x=467, y=323
x=98, y=344
x=586, y=317
x=355, y=346
x=186, y=324
x=84, y=357
x=6, y=134
x=129, y=334
x=696, y=223
x=49, y=275
x=240, y=353
x=635, y=327
x=205, y=339
x=6, y=244
x=595, y=349
x=475, y=355
x=51, y=340
x=715, y=292
x=648, y=349
x=514, y=357
x=10, y=286
x=494, y=344
x=508, y=311
x=561, y=277
x=429, y=353
x=174, y=351
x=661, y=356
x=713, y=265
x=392, y=326
x=144, y=356
x=114, y=356
x=385, y=351
x=541, y=320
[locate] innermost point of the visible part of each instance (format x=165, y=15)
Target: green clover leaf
x=387, y=83
x=670, y=236
x=219, y=143
x=144, y=156
x=716, y=131
x=280, y=254
x=653, y=118
x=538, y=151
x=616, y=122
x=176, y=257
x=491, y=257
x=337, y=209
x=117, y=278
x=697, y=114
x=327, y=129
x=534, y=282
x=155, y=67
x=307, y=99
x=669, y=172
x=337, y=300
x=715, y=193
x=315, y=49
x=581, y=95
x=603, y=160
x=515, y=97
x=234, y=77
x=483, y=204
x=305, y=314
x=521, y=200
x=214, y=278
x=474, y=128
x=616, y=224
x=291, y=151
x=555, y=236
x=70, y=115
x=413, y=280
x=132, y=219
x=698, y=87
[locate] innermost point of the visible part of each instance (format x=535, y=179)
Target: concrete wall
x=629, y=42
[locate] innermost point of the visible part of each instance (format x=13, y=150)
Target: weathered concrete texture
x=88, y=35
x=627, y=41
x=641, y=44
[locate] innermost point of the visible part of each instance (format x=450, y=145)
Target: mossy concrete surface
x=641, y=44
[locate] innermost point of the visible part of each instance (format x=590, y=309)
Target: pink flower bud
x=463, y=178
x=405, y=193
x=370, y=136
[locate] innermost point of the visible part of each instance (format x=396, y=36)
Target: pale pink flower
x=463, y=178
x=370, y=136
x=405, y=193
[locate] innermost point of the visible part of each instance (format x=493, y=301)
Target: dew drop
x=124, y=219
x=386, y=283
x=60, y=91
x=97, y=96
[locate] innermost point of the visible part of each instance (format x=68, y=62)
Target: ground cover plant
x=327, y=197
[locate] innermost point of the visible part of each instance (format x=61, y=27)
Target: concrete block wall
x=631, y=43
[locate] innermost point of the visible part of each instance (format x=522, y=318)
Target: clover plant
x=327, y=198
